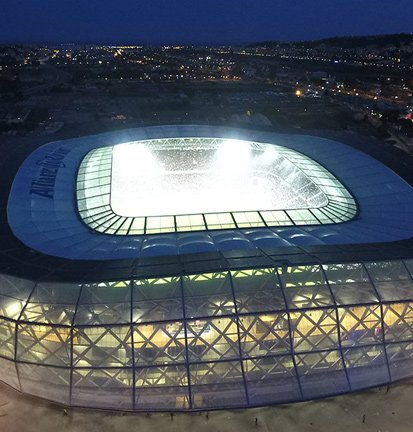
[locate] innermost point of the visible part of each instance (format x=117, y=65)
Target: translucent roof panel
x=171, y=184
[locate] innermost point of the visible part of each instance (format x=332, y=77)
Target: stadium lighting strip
x=195, y=184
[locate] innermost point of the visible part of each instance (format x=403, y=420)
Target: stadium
x=184, y=268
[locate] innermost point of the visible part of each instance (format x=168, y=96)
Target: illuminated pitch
x=187, y=184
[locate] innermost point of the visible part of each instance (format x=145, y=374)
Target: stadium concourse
x=185, y=268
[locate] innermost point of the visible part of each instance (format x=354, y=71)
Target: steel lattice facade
x=237, y=338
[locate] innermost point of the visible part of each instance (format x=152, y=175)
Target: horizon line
x=188, y=43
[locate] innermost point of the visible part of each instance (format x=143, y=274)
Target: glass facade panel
x=400, y=357
x=321, y=373
x=350, y=283
x=271, y=380
x=45, y=381
x=208, y=294
x=8, y=373
x=14, y=287
x=391, y=280
x=52, y=303
x=387, y=271
x=103, y=388
x=44, y=344
x=398, y=321
x=212, y=339
x=257, y=290
x=322, y=216
x=157, y=299
x=409, y=266
x=217, y=385
x=159, y=343
x=104, y=303
x=14, y=293
x=103, y=346
x=102, y=313
x=162, y=388
x=7, y=335
x=11, y=307
x=366, y=365
x=360, y=325
x=314, y=329
x=263, y=335
x=305, y=287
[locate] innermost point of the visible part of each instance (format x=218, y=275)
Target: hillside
x=347, y=42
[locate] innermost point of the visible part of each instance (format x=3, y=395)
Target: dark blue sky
x=198, y=21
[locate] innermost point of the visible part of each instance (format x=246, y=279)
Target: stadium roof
x=360, y=200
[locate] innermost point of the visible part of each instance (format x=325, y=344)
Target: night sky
x=198, y=21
